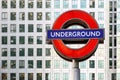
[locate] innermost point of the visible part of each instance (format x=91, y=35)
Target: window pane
x=65, y=3
x=30, y=51
x=39, y=39
x=56, y=3
x=100, y=16
x=21, y=40
x=39, y=3
x=4, y=39
x=21, y=28
x=21, y=16
x=13, y=3
x=12, y=76
x=83, y=3
x=101, y=64
x=39, y=51
x=92, y=3
x=48, y=15
x=30, y=3
x=74, y=3
x=4, y=64
x=48, y=64
x=39, y=27
x=39, y=76
x=21, y=3
x=13, y=28
x=100, y=76
x=48, y=3
x=4, y=76
x=56, y=76
x=13, y=15
x=30, y=63
x=91, y=76
x=4, y=27
x=39, y=63
x=4, y=3
x=30, y=28
x=92, y=64
x=4, y=52
x=100, y=3
x=56, y=64
x=39, y=15
x=13, y=64
x=21, y=52
x=30, y=39
x=48, y=52
x=13, y=39
x=4, y=16
x=82, y=64
x=21, y=76
x=21, y=64
x=65, y=76
x=12, y=51
x=83, y=76
x=30, y=76
x=65, y=65
x=47, y=76
x=30, y=15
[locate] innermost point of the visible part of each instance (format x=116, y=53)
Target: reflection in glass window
x=39, y=39
x=92, y=3
x=30, y=39
x=48, y=27
x=13, y=16
x=4, y=64
x=13, y=28
x=30, y=63
x=48, y=15
x=48, y=4
x=13, y=40
x=91, y=76
x=39, y=15
x=21, y=3
x=83, y=3
x=56, y=3
x=39, y=27
x=65, y=3
x=21, y=16
x=12, y=51
x=30, y=15
x=4, y=52
x=39, y=3
x=30, y=3
x=13, y=3
x=12, y=76
x=92, y=64
x=56, y=14
x=4, y=76
x=13, y=64
x=4, y=3
x=100, y=3
x=4, y=27
x=21, y=52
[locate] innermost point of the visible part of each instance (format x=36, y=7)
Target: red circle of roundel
x=81, y=53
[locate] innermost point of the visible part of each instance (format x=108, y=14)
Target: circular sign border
x=81, y=53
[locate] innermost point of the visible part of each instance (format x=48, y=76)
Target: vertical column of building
x=112, y=38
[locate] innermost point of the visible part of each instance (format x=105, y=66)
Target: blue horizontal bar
x=74, y=34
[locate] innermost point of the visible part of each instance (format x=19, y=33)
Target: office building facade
x=25, y=55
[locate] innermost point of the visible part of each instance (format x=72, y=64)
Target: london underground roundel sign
x=58, y=33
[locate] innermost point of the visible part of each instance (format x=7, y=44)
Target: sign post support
x=75, y=70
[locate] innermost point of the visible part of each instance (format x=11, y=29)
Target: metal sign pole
x=75, y=70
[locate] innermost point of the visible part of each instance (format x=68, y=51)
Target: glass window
x=48, y=26
x=48, y=15
x=21, y=28
x=65, y=3
x=39, y=27
x=115, y=5
x=30, y=3
x=114, y=64
x=56, y=3
x=92, y=64
x=4, y=52
x=39, y=39
x=65, y=76
x=74, y=3
x=92, y=3
x=100, y=76
x=113, y=76
x=30, y=63
x=39, y=76
x=92, y=14
x=83, y=3
x=13, y=28
x=82, y=76
x=56, y=14
x=13, y=40
x=48, y=4
x=39, y=51
x=56, y=64
x=118, y=76
x=48, y=63
x=30, y=28
x=110, y=64
x=110, y=5
x=12, y=76
x=4, y=27
x=4, y=39
x=101, y=64
x=30, y=15
x=4, y=3
x=30, y=76
x=39, y=15
x=4, y=76
x=12, y=51
x=110, y=41
x=65, y=64
x=30, y=51
x=21, y=76
x=13, y=64
x=110, y=17
x=39, y=63
x=118, y=5
x=30, y=39
x=83, y=64
x=21, y=40
x=100, y=3
x=48, y=52
x=100, y=15
x=13, y=16
x=21, y=16
x=13, y=3
x=4, y=64
x=56, y=76
x=39, y=3
x=101, y=25
x=110, y=53
x=47, y=76
x=21, y=52
x=21, y=3
x=4, y=16
x=91, y=76
x=115, y=29
x=115, y=42
x=21, y=64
